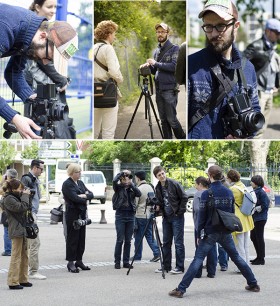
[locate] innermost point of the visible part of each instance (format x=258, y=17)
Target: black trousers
x=75, y=241
x=257, y=237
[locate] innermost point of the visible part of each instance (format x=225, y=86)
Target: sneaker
x=176, y=293
x=253, y=288
x=37, y=276
x=117, y=266
x=176, y=271
x=223, y=269
x=210, y=275
x=155, y=259
x=6, y=254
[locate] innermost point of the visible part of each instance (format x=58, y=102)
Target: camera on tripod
x=241, y=120
x=46, y=107
x=144, y=71
x=79, y=223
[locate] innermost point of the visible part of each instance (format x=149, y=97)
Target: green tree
x=7, y=155
x=31, y=152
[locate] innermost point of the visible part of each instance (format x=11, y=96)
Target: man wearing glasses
x=31, y=181
x=220, y=59
x=267, y=64
x=163, y=67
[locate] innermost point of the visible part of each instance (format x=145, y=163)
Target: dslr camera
x=79, y=223
x=240, y=119
x=32, y=191
x=144, y=71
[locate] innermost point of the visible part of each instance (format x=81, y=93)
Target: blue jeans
x=212, y=259
x=166, y=103
x=124, y=223
x=7, y=241
x=202, y=250
x=141, y=224
x=173, y=227
x=223, y=257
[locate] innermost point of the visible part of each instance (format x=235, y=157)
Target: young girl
x=16, y=203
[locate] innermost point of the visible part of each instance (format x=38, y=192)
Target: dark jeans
x=124, y=222
x=141, y=225
x=173, y=227
x=212, y=259
x=166, y=103
x=75, y=240
x=203, y=249
x=257, y=237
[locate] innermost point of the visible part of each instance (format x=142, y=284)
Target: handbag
x=57, y=214
x=105, y=93
x=222, y=220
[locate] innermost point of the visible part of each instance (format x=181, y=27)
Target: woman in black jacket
x=76, y=196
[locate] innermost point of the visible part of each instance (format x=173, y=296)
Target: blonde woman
x=241, y=239
x=105, y=119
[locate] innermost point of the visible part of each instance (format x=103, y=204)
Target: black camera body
x=46, y=107
x=151, y=199
x=32, y=191
x=79, y=223
x=240, y=119
x=144, y=71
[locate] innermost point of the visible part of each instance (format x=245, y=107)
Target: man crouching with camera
x=172, y=199
x=125, y=206
x=76, y=197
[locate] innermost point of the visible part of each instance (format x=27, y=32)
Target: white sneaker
x=176, y=271
x=159, y=270
x=37, y=276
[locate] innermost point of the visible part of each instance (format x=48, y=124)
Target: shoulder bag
x=222, y=220
x=105, y=93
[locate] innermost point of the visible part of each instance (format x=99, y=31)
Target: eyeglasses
x=42, y=169
x=208, y=28
x=77, y=171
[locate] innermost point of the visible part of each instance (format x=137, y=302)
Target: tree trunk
x=259, y=150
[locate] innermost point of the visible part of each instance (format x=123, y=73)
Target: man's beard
x=162, y=40
x=222, y=45
x=32, y=50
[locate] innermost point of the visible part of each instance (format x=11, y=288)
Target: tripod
x=148, y=105
x=152, y=220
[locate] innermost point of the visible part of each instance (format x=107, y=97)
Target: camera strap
x=97, y=61
x=224, y=88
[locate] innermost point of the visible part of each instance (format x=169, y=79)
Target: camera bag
x=222, y=220
x=57, y=214
x=105, y=93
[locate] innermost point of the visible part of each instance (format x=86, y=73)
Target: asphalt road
x=104, y=285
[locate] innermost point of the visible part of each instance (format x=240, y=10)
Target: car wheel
x=102, y=201
x=190, y=204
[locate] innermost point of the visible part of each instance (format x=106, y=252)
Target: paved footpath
x=104, y=285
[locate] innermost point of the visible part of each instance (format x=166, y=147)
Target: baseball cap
x=141, y=175
x=64, y=37
x=273, y=24
x=224, y=8
x=163, y=25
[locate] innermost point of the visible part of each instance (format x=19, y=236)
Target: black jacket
x=121, y=193
x=176, y=196
x=71, y=192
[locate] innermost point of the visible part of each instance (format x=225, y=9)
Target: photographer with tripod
x=163, y=67
x=172, y=203
x=142, y=218
x=26, y=35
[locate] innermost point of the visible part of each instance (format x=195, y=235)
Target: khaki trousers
x=18, y=270
x=34, y=245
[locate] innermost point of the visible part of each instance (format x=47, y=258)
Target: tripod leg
x=148, y=110
x=160, y=246
x=156, y=117
x=139, y=244
x=133, y=115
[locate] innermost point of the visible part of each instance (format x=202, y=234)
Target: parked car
x=51, y=186
x=95, y=181
x=245, y=180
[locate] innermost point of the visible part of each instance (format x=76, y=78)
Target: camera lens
x=59, y=111
x=254, y=121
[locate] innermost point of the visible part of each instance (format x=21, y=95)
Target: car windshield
x=92, y=178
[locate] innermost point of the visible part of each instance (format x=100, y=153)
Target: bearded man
x=219, y=60
x=163, y=67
